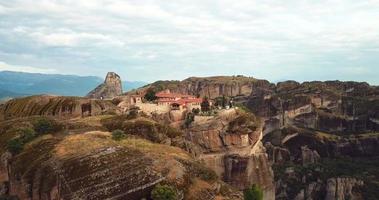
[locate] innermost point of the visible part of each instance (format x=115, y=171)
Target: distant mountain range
x=15, y=84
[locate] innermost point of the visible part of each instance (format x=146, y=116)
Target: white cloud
x=244, y=35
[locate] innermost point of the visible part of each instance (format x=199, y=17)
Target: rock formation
x=212, y=87
x=111, y=88
x=230, y=144
x=55, y=106
x=64, y=168
x=342, y=188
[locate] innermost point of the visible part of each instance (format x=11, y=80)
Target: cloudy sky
x=151, y=40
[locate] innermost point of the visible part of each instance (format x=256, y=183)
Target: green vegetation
x=142, y=127
x=190, y=117
x=253, y=193
x=23, y=135
x=222, y=101
x=196, y=111
x=164, y=192
x=150, y=95
x=45, y=125
x=118, y=135
x=205, y=105
x=199, y=170
x=116, y=122
x=16, y=145
x=245, y=122
x=361, y=168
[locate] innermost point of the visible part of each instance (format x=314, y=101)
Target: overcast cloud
x=151, y=40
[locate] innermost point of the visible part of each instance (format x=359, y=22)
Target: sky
x=146, y=40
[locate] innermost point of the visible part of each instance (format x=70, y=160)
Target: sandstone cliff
x=54, y=106
x=111, y=88
x=211, y=87
x=230, y=144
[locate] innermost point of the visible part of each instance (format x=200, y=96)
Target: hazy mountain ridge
x=14, y=84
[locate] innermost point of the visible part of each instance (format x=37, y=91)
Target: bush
x=245, y=122
x=15, y=145
x=164, y=192
x=44, y=125
x=169, y=131
x=253, y=193
x=27, y=134
x=190, y=117
x=205, y=105
x=116, y=122
x=118, y=135
x=150, y=95
x=196, y=111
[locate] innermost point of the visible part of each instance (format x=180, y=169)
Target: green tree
x=118, y=134
x=190, y=117
x=205, y=105
x=16, y=145
x=164, y=192
x=253, y=193
x=150, y=95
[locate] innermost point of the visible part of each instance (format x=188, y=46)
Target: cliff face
x=230, y=145
x=312, y=128
x=54, y=106
x=211, y=87
x=111, y=88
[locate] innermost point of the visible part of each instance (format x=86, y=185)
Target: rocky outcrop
x=309, y=156
x=55, y=106
x=277, y=154
x=111, y=88
x=212, y=87
x=342, y=189
x=231, y=146
x=64, y=168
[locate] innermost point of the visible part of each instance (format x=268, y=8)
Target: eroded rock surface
x=231, y=146
x=111, y=88
x=54, y=106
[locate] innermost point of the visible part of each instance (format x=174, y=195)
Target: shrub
x=164, y=192
x=169, y=131
x=133, y=113
x=205, y=105
x=150, y=95
x=196, y=111
x=15, y=145
x=27, y=134
x=245, y=122
x=190, y=117
x=253, y=193
x=118, y=135
x=44, y=125
x=118, y=121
